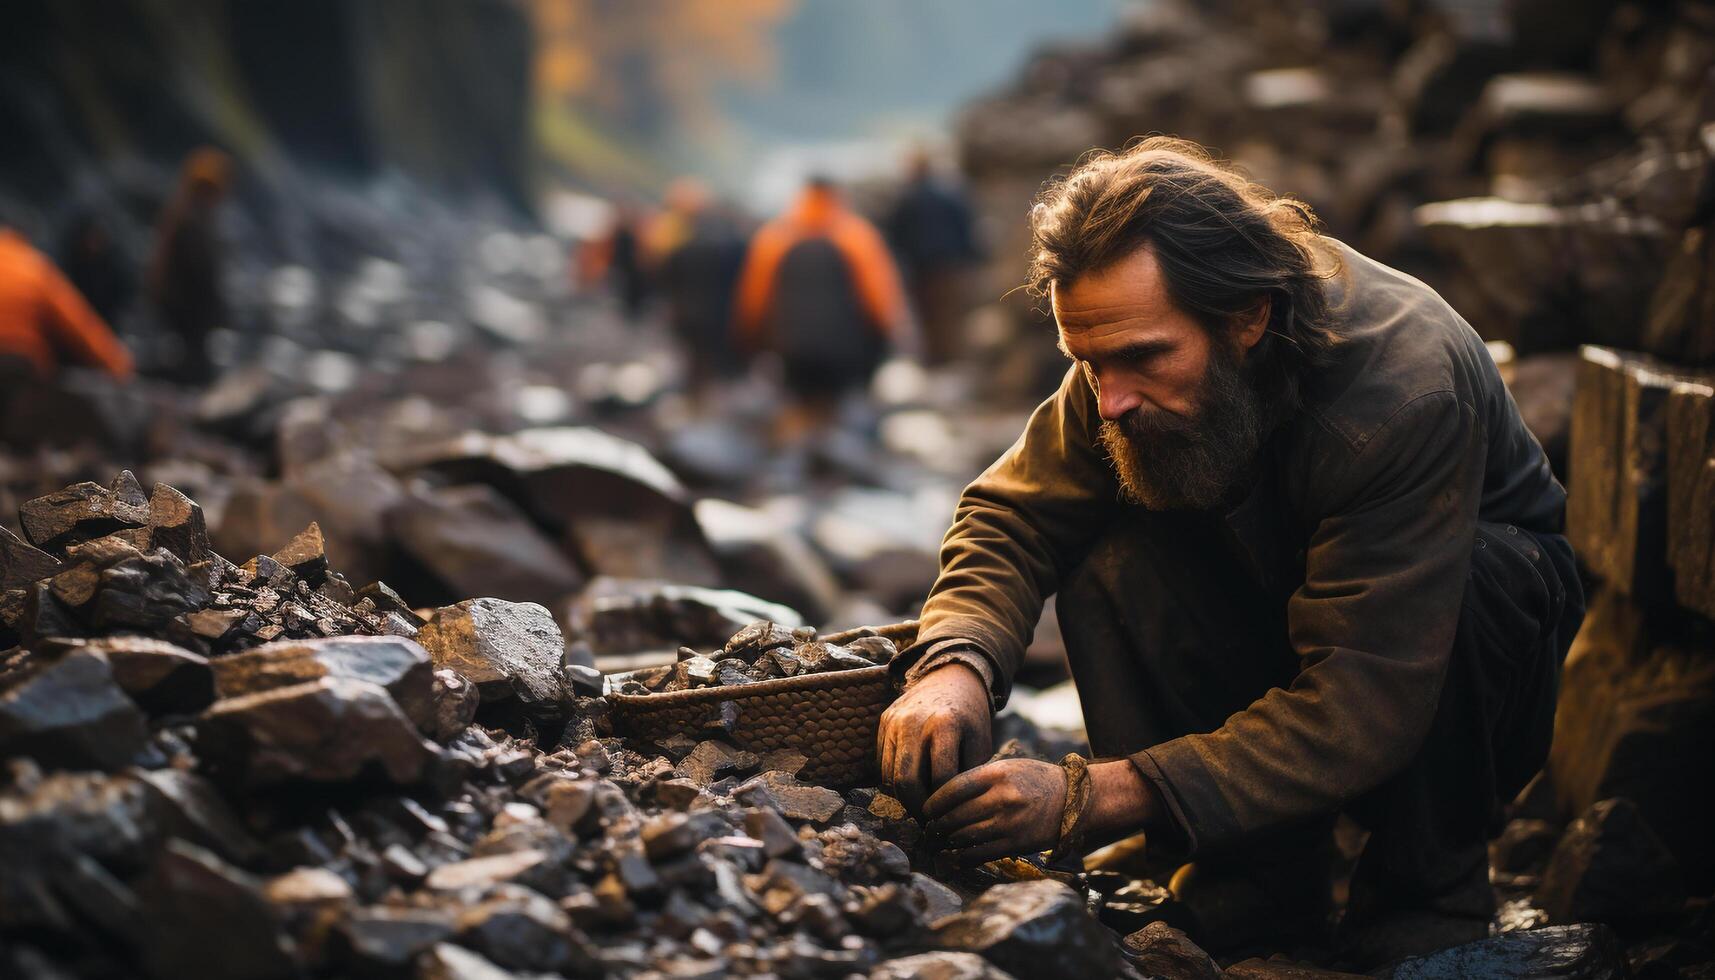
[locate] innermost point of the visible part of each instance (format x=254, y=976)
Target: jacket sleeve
x=1373, y=625
x=1019, y=528
x=79, y=331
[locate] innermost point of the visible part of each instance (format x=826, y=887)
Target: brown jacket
x=1364, y=521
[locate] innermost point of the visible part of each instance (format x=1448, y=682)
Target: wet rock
x=1158, y=949
x=193, y=893
x=1030, y=928
x=1585, y=951
x=163, y=678
x=69, y=710
x=330, y=730
x=83, y=511
x=469, y=540
x=21, y=564
x=1610, y=867
x=399, y=665
x=1523, y=846
x=507, y=649
x=939, y=966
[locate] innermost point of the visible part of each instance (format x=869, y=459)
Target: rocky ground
x=458, y=501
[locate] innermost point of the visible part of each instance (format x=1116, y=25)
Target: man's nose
x=1114, y=401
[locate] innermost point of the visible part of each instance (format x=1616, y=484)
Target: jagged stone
x=469, y=540
x=83, y=511
x=145, y=593
x=178, y=525
x=455, y=701
x=399, y=665
x=507, y=649
x=68, y=710
x=518, y=929
x=21, y=563
x=1583, y=952
x=188, y=807
x=794, y=800
x=1031, y=928
x=306, y=555
x=1610, y=867
x=193, y=893
x=334, y=729
x=1158, y=949
x=162, y=677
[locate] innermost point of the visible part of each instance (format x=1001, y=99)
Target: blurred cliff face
x=104, y=98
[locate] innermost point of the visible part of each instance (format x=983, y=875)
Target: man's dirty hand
x=937, y=729
x=1010, y=806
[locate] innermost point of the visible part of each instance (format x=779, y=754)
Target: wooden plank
x=1691, y=494
x=1616, y=513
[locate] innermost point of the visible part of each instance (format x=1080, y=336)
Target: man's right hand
x=937, y=729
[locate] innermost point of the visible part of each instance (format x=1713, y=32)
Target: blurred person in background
x=820, y=290
x=91, y=260
x=934, y=235
x=627, y=270
x=186, y=271
x=698, y=275
x=44, y=322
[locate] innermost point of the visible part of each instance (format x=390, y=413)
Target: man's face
x=1179, y=420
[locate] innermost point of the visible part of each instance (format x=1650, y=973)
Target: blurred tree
x=647, y=71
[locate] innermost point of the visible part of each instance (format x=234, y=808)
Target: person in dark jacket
x=934, y=237
x=699, y=278
x=187, y=269
x=91, y=260
x=1308, y=561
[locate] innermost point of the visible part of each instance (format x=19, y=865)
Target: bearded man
x=1308, y=562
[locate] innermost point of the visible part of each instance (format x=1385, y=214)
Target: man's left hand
x=1001, y=808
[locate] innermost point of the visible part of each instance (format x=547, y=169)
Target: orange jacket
x=819, y=213
x=42, y=316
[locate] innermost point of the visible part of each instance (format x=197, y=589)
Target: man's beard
x=1166, y=461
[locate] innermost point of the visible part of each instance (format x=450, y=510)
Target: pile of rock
x=761, y=651
x=329, y=784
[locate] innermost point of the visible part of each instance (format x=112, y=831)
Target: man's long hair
x=1223, y=244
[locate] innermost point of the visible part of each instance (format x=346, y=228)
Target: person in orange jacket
x=44, y=321
x=820, y=290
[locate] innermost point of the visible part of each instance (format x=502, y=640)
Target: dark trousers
x=1168, y=635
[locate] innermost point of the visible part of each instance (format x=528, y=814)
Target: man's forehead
x=1129, y=289
x=1119, y=304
